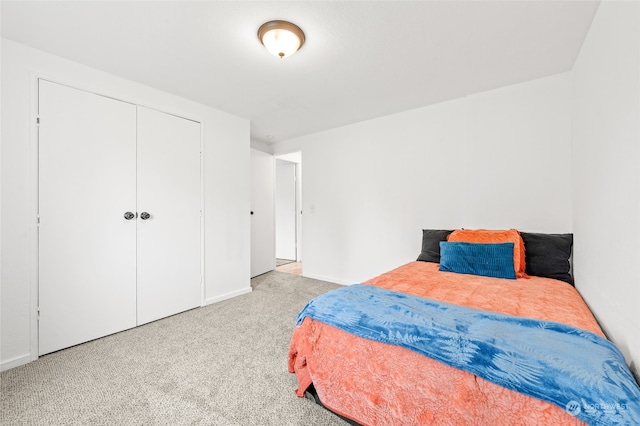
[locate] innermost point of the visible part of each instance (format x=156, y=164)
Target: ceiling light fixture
x=281, y=38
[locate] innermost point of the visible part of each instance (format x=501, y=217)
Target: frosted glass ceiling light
x=281, y=38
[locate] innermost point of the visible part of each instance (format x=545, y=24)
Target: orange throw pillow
x=490, y=236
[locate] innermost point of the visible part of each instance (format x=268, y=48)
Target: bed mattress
x=375, y=383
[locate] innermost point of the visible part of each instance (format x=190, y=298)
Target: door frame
x=34, y=196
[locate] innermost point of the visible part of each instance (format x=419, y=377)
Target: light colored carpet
x=223, y=364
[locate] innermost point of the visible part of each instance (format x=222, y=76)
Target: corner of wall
x=261, y=146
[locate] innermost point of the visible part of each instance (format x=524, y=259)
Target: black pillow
x=431, y=244
x=547, y=255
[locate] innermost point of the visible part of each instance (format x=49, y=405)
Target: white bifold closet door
x=99, y=272
x=169, y=191
x=87, y=249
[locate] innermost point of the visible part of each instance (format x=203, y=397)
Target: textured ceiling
x=361, y=59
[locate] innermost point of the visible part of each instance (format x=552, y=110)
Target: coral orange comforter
x=375, y=383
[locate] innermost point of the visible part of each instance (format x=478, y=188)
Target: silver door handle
x=144, y=215
x=129, y=215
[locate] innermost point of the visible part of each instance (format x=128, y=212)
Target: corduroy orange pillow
x=494, y=236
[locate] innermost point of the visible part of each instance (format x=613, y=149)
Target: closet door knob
x=144, y=215
x=129, y=215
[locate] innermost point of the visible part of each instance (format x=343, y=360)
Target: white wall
x=498, y=159
x=261, y=146
x=226, y=187
x=606, y=172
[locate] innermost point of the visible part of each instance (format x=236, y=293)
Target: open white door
x=87, y=181
x=262, y=213
x=286, y=214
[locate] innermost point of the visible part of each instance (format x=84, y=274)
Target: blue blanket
x=577, y=370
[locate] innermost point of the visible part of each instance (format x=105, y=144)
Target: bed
x=373, y=375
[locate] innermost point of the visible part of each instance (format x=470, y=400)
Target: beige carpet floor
x=223, y=364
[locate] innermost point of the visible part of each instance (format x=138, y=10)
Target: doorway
x=288, y=213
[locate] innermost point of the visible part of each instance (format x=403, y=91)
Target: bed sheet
x=375, y=383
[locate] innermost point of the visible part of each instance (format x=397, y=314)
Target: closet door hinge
x=38, y=220
x=37, y=120
x=38, y=313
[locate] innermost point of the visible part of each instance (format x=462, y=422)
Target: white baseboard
x=328, y=279
x=227, y=296
x=15, y=362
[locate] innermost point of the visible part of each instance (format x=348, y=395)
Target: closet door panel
x=169, y=191
x=87, y=175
